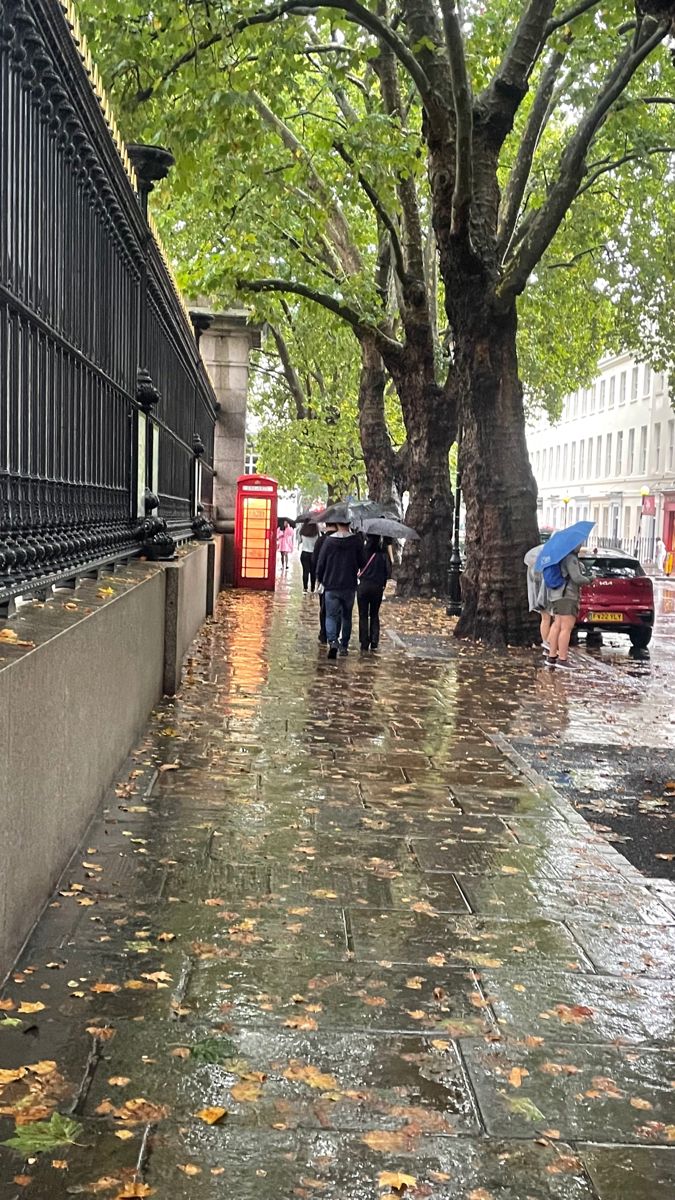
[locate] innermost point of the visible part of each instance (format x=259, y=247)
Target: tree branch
x=345, y=246
x=571, y=15
x=547, y=220
x=500, y=100
x=520, y=173
x=619, y=162
x=463, y=102
x=380, y=209
x=354, y=12
x=570, y=262
x=292, y=378
x=387, y=345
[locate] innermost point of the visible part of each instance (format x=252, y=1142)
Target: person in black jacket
x=340, y=559
x=372, y=582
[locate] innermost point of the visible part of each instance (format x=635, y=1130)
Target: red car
x=620, y=598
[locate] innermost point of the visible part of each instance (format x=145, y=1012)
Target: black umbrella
x=288, y=520
x=387, y=527
x=365, y=510
x=311, y=514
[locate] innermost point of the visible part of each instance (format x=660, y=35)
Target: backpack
x=553, y=577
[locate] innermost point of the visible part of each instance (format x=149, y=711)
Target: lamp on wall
x=566, y=501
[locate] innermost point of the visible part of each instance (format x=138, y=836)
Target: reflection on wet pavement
x=332, y=937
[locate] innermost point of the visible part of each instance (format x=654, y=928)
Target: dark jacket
x=376, y=572
x=340, y=560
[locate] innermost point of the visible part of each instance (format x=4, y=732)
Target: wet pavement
x=339, y=932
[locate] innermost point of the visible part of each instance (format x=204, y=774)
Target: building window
x=630, y=458
x=646, y=380
x=598, y=458
x=251, y=461
x=564, y=470
x=593, y=392
x=634, y=384
x=671, y=445
x=582, y=458
x=626, y=522
x=622, y=388
x=659, y=382
x=573, y=461
x=619, y=453
x=537, y=459
x=657, y=447
x=584, y=402
x=557, y=462
x=550, y=463
x=612, y=391
x=608, y=455
x=575, y=404
x=603, y=389
x=642, y=465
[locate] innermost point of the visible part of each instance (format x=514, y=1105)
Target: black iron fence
x=103, y=395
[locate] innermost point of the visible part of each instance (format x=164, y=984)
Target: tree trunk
x=497, y=483
x=431, y=426
x=379, y=455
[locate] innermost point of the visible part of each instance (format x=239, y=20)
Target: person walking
x=285, y=543
x=340, y=559
x=309, y=536
x=323, y=534
x=660, y=555
x=565, y=609
x=372, y=578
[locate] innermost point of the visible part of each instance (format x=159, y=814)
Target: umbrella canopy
x=288, y=520
x=364, y=510
x=311, y=514
x=388, y=527
x=562, y=543
x=336, y=514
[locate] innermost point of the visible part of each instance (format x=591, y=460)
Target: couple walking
x=346, y=565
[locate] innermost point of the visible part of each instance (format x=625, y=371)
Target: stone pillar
x=225, y=347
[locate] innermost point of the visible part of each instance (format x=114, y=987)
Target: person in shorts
x=564, y=606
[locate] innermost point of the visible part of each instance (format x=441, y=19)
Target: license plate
x=616, y=618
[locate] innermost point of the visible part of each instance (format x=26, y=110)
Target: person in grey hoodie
x=565, y=609
x=341, y=557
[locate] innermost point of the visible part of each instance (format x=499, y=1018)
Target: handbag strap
x=364, y=569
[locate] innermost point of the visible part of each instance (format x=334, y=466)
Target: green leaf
x=44, y=1136
x=525, y=1108
x=212, y=1050
x=10, y=1023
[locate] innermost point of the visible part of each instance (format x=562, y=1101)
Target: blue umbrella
x=562, y=543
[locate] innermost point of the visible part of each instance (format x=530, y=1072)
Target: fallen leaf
x=11, y=1076
x=397, y=1180
x=571, y=1014
x=415, y=982
x=21, y=1180
x=510, y=870
x=516, y=1076
x=189, y=1168
x=104, y=987
x=7, y=1005
x=301, y=1023
x=211, y=1116
x=311, y=1076
x=131, y=1191
x=386, y=1141
x=104, y=1033
x=119, y=1081
x=666, y=857
x=246, y=1091
x=46, y=1067
x=638, y=1102
x=165, y=937
x=59, y=1164
x=31, y=1008
x=423, y=906
x=123, y=1134
x=480, y=1194
x=417, y=1014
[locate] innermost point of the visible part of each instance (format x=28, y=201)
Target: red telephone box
x=255, y=532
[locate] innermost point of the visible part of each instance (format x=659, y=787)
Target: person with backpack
x=373, y=578
x=340, y=559
x=309, y=536
x=564, y=581
x=538, y=597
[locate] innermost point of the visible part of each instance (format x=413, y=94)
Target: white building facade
x=611, y=458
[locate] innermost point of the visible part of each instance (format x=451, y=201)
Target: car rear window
x=612, y=568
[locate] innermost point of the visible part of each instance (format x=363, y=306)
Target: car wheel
x=640, y=638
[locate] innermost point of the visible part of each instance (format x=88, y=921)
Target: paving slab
x=630, y=1172
x=575, y=1090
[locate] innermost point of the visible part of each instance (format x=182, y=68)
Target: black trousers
x=369, y=601
x=308, y=569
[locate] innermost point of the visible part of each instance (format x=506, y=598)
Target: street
x=347, y=930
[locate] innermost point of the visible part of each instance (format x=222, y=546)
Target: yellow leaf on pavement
x=11, y=1076
x=516, y=1076
x=246, y=1091
x=312, y=1077
x=211, y=1115
x=31, y=1008
x=396, y=1179
x=189, y=1168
